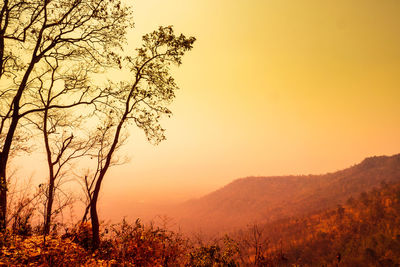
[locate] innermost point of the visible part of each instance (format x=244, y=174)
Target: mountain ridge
x=258, y=198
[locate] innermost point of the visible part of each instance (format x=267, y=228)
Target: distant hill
x=266, y=199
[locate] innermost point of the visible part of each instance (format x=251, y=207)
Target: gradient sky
x=272, y=87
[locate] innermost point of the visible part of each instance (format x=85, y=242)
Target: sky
x=271, y=87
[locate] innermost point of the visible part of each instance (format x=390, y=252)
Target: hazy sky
x=272, y=87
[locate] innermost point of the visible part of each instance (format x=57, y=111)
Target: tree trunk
x=49, y=207
x=1, y=52
x=3, y=169
x=51, y=174
x=94, y=217
x=2, y=33
x=7, y=146
x=3, y=193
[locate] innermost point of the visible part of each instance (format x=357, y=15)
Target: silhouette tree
x=71, y=32
x=58, y=125
x=253, y=244
x=141, y=101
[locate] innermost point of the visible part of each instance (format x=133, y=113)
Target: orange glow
x=270, y=88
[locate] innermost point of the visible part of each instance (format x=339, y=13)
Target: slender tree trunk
x=94, y=217
x=3, y=24
x=3, y=193
x=84, y=217
x=51, y=175
x=3, y=169
x=1, y=52
x=7, y=145
x=49, y=207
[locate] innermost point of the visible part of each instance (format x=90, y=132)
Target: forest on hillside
x=268, y=199
x=363, y=232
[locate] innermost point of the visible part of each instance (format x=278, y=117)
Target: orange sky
x=272, y=87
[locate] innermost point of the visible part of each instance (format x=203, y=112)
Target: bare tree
x=253, y=245
x=71, y=32
x=142, y=101
x=57, y=126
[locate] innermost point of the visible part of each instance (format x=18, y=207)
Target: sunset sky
x=272, y=87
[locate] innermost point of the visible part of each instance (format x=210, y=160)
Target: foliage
x=140, y=245
x=30, y=251
x=214, y=254
x=364, y=232
x=125, y=244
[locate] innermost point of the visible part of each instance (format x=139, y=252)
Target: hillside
x=266, y=199
x=363, y=232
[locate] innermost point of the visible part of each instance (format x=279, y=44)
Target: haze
x=270, y=88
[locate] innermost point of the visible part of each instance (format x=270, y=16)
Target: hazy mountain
x=265, y=199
